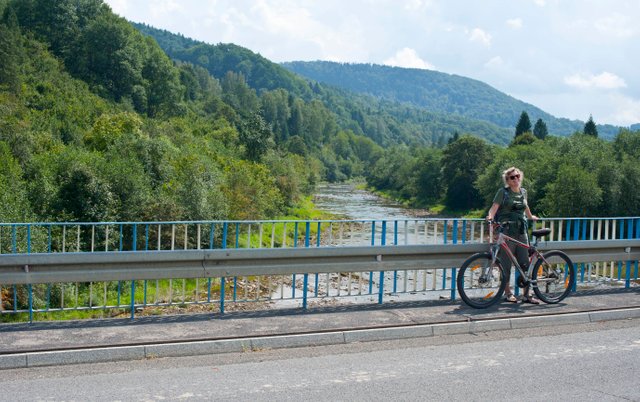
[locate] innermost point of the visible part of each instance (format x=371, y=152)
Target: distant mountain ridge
x=437, y=92
x=385, y=121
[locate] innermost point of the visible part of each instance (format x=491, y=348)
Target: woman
x=510, y=205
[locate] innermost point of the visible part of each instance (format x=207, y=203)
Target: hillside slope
x=387, y=121
x=437, y=92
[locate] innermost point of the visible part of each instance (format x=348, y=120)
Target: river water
x=348, y=202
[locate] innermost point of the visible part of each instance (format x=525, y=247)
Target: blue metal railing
x=18, y=238
x=171, y=235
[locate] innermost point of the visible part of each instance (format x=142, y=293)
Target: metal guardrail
x=125, y=266
x=35, y=282
x=53, y=237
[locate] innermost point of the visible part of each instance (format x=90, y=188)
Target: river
x=348, y=202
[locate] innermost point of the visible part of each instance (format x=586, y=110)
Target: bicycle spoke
x=480, y=283
x=554, y=275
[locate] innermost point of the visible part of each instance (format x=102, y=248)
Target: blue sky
x=571, y=58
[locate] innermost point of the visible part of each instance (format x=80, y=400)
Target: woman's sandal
x=510, y=298
x=530, y=300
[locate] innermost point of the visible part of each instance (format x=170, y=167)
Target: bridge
x=57, y=267
x=354, y=280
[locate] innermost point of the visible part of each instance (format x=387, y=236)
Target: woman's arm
x=530, y=215
x=492, y=212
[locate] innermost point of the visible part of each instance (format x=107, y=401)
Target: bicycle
x=482, y=280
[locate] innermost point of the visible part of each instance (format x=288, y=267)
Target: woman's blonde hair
x=510, y=171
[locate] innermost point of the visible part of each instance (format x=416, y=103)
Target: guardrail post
x=305, y=282
x=30, y=288
x=373, y=243
x=395, y=232
x=134, y=241
x=133, y=299
x=222, y=286
x=444, y=273
x=453, y=269
x=14, y=247
x=383, y=242
x=49, y=239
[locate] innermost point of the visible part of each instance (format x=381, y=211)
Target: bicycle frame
x=502, y=242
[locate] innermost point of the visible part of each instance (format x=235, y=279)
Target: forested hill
x=386, y=121
x=438, y=92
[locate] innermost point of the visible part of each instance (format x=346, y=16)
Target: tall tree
x=462, y=163
x=524, y=124
x=540, y=130
x=590, y=127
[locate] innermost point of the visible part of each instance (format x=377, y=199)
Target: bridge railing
x=48, y=250
x=208, y=235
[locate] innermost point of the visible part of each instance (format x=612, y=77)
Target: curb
x=177, y=349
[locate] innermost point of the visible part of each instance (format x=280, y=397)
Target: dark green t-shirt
x=512, y=209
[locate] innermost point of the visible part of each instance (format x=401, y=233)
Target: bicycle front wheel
x=480, y=282
x=554, y=275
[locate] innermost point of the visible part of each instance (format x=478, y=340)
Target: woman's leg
x=506, y=265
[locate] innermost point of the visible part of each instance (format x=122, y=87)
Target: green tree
x=627, y=143
x=574, y=192
x=630, y=188
x=10, y=58
x=276, y=112
x=161, y=81
x=540, y=130
x=84, y=196
x=238, y=94
x=427, y=179
x=524, y=124
x=14, y=203
x=462, y=163
x=523, y=139
x=256, y=137
x=590, y=127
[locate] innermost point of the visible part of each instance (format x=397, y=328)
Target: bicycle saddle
x=541, y=232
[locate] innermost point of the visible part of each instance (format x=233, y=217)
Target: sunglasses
x=515, y=176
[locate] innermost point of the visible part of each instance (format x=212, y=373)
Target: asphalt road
x=595, y=361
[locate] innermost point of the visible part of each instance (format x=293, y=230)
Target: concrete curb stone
x=196, y=348
x=118, y=353
x=530, y=322
x=299, y=340
x=614, y=315
x=385, y=334
x=56, y=358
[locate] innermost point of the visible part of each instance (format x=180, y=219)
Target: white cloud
x=540, y=3
x=515, y=23
x=478, y=35
x=119, y=7
x=495, y=62
x=604, y=80
x=414, y=5
x=163, y=8
x=625, y=110
x=408, y=58
x=617, y=25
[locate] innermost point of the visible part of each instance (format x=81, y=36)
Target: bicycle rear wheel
x=554, y=275
x=480, y=282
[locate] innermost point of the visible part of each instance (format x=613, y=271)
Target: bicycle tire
x=480, y=290
x=554, y=276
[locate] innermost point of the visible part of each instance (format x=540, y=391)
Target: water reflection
x=348, y=202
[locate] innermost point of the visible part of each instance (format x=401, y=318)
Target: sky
x=571, y=58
